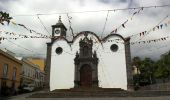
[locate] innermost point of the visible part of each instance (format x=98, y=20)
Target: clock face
x=57, y=31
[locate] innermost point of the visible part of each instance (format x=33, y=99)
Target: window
x=14, y=73
x=3, y=83
x=5, y=70
x=59, y=50
x=114, y=47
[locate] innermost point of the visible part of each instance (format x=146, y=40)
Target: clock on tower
x=59, y=29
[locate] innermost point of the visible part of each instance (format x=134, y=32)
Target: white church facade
x=87, y=60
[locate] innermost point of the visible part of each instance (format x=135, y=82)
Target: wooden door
x=86, y=76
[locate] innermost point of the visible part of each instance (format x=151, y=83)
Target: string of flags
x=124, y=23
x=159, y=27
x=28, y=29
x=4, y=17
x=150, y=41
x=20, y=36
x=15, y=36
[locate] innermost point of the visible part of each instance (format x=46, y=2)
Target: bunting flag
x=123, y=25
x=114, y=31
x=161, y=26
x=13, y=23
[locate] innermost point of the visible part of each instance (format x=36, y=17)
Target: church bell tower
x=59, y=29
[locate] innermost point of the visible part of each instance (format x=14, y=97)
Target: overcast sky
x=89, y=21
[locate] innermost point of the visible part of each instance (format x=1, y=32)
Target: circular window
x=114, y=47
x=59, y=50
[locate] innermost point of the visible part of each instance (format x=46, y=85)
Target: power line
x=70, y=25
x=32, y=50
x=42, y=23
x=105, y=23
x=20, y=46
x=118, y=9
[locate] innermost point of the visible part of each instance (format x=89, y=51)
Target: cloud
x=6, y=1
x=145, y=20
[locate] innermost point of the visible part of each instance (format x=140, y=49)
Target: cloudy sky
x=25, y=12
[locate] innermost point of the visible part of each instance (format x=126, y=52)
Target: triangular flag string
x=30, y=30
x=150, y=41
x=123, y=24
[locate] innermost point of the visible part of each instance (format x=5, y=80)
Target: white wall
x=111, y=67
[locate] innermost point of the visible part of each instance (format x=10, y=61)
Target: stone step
x=82, y=92
x=89, y=89
x=73, y=95
x=92, y=93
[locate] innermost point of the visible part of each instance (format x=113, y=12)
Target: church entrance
x=86, y=76
x=86, y=65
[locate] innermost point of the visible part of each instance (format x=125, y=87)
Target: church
x=87, y=61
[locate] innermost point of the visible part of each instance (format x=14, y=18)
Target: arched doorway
x=86, y=76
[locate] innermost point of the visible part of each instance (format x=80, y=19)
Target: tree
x=136, y=63
x=147, y=71
x=4, y=17
x=163, y=67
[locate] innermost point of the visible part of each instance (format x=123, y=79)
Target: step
x=100, y=93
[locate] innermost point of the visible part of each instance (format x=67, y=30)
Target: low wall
x=157, y=87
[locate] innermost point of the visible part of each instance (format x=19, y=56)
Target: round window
x=114, y=47
x=59, y=50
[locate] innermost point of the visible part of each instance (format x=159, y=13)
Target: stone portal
x=86, y=65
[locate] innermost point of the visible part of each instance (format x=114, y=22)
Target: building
x=87, y=60
x=38, y=61
x=28, y=73
x=10, y=70
x=39, y=77
x=32, y=74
